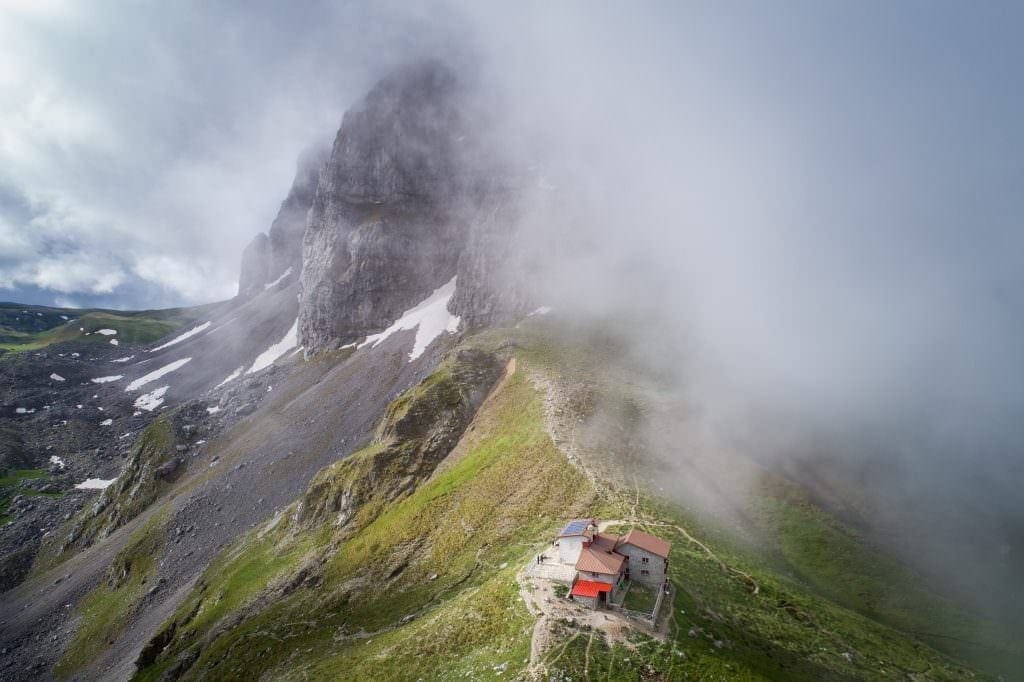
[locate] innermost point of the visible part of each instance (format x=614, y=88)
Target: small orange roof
x=589, y=588
x=598, y=561
x=603, y=542
x=650, y=543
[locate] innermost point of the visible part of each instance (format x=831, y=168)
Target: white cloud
x=195, y=280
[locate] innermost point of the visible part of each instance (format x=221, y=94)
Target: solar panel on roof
x=576, y=527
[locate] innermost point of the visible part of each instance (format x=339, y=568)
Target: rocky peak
x=409, y=196
x=268, y=256
x=387, y=225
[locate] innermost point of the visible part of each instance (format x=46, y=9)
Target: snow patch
x=64, y=317
x=94, y=484
x=106, y=422
x=277, y=281
x=106, y=332
x=107, y=380
x=74, y=355
x=153, y=376
x=231, y=377
x=430, y=318
x=113, y=342
x=213, y=410
x=267, y=357
x=189, y=334
x=543, y=310
x=152, y=400
x=24, y=410
x=57, y=377
x=125, y=359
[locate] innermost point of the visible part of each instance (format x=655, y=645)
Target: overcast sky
x=142, y=144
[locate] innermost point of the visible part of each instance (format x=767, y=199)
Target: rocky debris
x=156, y=588
x=13, y=452
x=152, y=463
x=31, y=517
x=167, y=469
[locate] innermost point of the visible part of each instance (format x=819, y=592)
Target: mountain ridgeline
x=350, y=470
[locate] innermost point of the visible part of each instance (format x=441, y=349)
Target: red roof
x=604, y=542
x=648, y=543
x=589, y=588
x=596, y=561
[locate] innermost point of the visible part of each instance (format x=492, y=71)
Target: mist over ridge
x=801, y=228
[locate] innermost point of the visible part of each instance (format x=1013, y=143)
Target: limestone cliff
x=386, y=227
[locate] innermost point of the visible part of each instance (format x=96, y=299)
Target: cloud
x=149, y=131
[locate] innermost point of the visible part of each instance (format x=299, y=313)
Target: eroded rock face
x=388, y=222
x=493, y=268
x=289, y=226
x=268, y=256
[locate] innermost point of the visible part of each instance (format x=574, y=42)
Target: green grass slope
x=424, y=588
x=428, y=585
x=104, y=612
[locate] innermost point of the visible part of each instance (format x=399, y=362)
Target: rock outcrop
x=493, y=267
x=419, y=429
x=268, y=256
x=411, y=194
x=388, y=222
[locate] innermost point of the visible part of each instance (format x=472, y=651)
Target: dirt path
x=541, y=601
x=562, y=429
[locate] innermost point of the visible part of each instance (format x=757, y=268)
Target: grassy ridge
x=447, y=554
x=138, y=327
x=425, y=587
